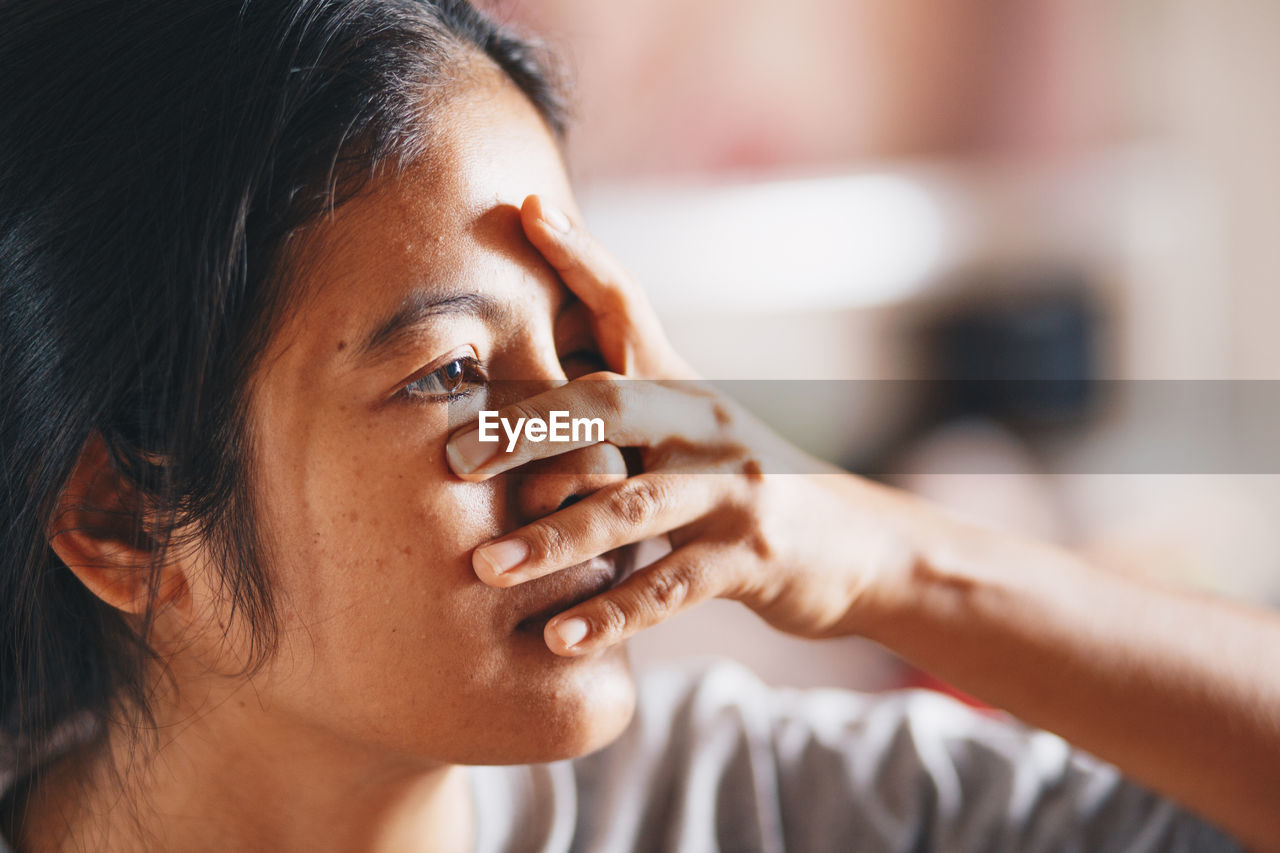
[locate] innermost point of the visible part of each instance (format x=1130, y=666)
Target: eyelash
x=471, y=375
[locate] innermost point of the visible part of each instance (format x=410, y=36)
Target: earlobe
x=97, y=530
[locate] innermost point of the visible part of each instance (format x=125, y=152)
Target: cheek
x=385, y=537
x=387, y=634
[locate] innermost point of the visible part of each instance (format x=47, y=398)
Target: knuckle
x=605, y=393
x=550, y=542
x=637, y=502
x=611, y=617
x=516, y=411
x=669, y=590
x=611, y=399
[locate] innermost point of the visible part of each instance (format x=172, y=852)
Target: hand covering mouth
x=558, y=591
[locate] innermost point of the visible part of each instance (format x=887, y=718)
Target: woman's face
x=410, y=292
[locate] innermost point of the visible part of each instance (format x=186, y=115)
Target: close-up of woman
x=262, y=587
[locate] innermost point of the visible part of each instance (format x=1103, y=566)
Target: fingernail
x=503, y=556
x=555, y=217
x=571, y=631
x=467, y=452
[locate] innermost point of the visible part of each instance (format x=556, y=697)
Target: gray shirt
x=717, y=760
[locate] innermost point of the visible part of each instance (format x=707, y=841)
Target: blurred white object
x=839, y=241
x=776, y=254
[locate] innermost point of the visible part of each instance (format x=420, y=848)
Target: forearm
x=1182, y=692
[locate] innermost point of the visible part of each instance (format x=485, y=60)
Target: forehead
x=448, y=222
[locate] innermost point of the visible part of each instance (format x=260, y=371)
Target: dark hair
x=156, y=158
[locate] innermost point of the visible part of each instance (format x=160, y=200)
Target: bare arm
x=1181, y=691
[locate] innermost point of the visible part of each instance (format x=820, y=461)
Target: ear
x=98, y=531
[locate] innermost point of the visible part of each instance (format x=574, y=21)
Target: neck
x=230, y=777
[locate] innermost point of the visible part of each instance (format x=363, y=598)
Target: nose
x=539, y=488
x=546, y=485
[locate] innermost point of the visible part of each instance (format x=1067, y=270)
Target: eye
x=453, y=380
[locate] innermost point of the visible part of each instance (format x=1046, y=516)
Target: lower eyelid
x=474, y=373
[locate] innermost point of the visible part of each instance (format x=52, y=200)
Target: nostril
x=569, y=501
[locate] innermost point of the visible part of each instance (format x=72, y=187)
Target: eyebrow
x=417, y=309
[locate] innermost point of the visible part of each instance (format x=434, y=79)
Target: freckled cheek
x=413, y=520
x=448, y=521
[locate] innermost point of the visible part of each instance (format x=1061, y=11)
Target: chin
x=583, y=707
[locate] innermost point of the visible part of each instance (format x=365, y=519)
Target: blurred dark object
x=1018, y=351
x=1025, y=356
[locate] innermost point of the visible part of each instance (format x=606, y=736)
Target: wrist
x=956, y=577
x=933, y=571
x=889, y=547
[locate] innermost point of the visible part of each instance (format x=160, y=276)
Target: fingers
x=594, y=408
x=636, y=509
x=681, y=579
x=496, y=443
x=587, y=270
x=627, y=329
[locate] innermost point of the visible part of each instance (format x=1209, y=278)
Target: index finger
x=593, y=276
x=627, y=329
x=594, y=408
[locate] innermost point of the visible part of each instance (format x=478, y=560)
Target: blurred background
x=897, y=190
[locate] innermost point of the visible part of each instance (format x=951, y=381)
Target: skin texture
x=401, y=658
x=372, y=533
x=1176, y=688
x=396, y=663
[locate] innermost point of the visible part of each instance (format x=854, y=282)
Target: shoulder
x=717, y=759
x=19, y=766
x=722, y=760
